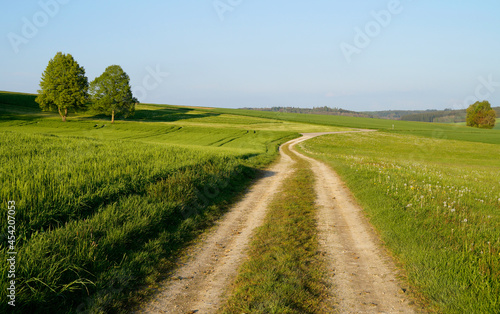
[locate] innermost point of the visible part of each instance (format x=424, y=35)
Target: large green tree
x=480, y=115
x=63, y=86
x=111, y=93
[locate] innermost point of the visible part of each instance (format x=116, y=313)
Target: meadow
x=435, y=203
x=93, y=215
x=103, y=210
x=431, y=130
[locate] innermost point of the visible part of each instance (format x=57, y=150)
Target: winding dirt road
x=362, y=276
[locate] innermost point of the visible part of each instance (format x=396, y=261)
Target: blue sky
x=357, y=55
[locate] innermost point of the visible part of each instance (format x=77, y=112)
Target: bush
x=480, y=115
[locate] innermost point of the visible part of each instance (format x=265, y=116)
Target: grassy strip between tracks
x=284, y=272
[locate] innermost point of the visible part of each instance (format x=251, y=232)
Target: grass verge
x=284, y=273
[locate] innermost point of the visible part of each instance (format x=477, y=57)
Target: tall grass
x=436, y=204
x=54, y=180
x=97, y=219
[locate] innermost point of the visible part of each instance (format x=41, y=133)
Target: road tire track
x=200, y=285
x=363, y=276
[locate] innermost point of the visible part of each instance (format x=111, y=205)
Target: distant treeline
x=431, y=115
x=441, y=116
x=316, y=110
x=396, y=114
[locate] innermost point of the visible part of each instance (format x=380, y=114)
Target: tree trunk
x=63, y=116
x=113, y=116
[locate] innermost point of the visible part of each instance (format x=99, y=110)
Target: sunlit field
x=103, y=210
x=435, y=203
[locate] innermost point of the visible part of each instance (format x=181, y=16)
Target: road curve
x=362, y=275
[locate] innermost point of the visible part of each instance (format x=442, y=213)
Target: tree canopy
x=111, y=93
x=481, y=115
x=63, y=86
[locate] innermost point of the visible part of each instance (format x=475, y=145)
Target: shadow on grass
x=157, y=115
x=7, y=115
x=169, y=115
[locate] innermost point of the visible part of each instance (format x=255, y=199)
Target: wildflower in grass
x=452, y=210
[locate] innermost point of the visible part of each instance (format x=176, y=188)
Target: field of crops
x=435, y=203
x=92, y=213
x=102, y=209
x=431, y=130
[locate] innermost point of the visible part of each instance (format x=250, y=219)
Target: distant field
x=497, y=125
x=435, y=202
x=431, y=130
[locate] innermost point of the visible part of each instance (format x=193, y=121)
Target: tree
x=111, y=93
x=63, y=86
x=480, y=115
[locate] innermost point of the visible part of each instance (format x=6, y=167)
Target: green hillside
x=100, y=205
x=102, y=210
x=432, y=130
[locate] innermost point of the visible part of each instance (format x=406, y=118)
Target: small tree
x=111, y=93
x=63, y=86
x=480, y=115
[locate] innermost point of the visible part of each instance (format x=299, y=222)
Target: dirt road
x=362, y=279
x=199, y=285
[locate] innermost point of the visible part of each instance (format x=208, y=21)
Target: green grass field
x=90, y=213
x=436, y=204
x=431, y=130
x=102, y=210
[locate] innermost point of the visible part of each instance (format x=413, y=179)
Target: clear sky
x=357, y=55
